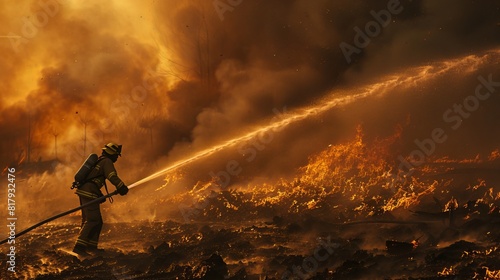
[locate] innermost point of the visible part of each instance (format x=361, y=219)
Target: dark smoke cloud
x=271, y=54
x=167, y=78
x=433, y=31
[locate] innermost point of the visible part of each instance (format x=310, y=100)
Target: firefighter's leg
x=96, y=230
x=84, y=215
x=91, y=226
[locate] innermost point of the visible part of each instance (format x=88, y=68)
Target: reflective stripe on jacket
x=104, y=169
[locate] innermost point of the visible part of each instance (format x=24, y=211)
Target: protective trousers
x=91, y=225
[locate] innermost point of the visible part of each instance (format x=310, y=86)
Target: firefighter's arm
x=112, y=176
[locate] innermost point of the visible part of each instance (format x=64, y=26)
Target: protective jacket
x=103, y=170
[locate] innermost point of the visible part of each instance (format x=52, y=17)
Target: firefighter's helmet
x=113, y=149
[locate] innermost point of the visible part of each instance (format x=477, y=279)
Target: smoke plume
x=169, y=78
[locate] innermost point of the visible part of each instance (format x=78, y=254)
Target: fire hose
x=97, y=200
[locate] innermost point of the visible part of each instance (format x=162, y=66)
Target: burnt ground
x=279, y=248
x=294, y=230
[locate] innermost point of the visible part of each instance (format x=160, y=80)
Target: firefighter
x=90, y=190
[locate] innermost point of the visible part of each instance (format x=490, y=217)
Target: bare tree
x=85, y=121
x=194, y=37
x=147, y=122
x=30, y=145
x=202, y=41
x=55, y=133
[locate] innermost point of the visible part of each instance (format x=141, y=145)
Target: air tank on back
x=84, y=170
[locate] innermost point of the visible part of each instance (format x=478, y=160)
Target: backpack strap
x=104, y=181
x=107, y=192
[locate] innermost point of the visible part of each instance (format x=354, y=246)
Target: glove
x=123, y=190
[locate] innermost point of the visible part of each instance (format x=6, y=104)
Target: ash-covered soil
x=279, y=248
x=344, y=216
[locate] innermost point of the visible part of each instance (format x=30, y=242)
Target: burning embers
x=349, y=181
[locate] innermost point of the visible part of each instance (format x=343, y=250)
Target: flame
x=491, y=274
x=338, y=98
x=406, y=198
x=494, y=155
x=451, y=205
x=349, y=180
x=447, y=271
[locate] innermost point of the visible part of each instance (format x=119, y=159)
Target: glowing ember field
x=443, y=220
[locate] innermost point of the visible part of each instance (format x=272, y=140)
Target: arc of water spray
x=413, y=76
x=303, y=114
x=469, y=62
